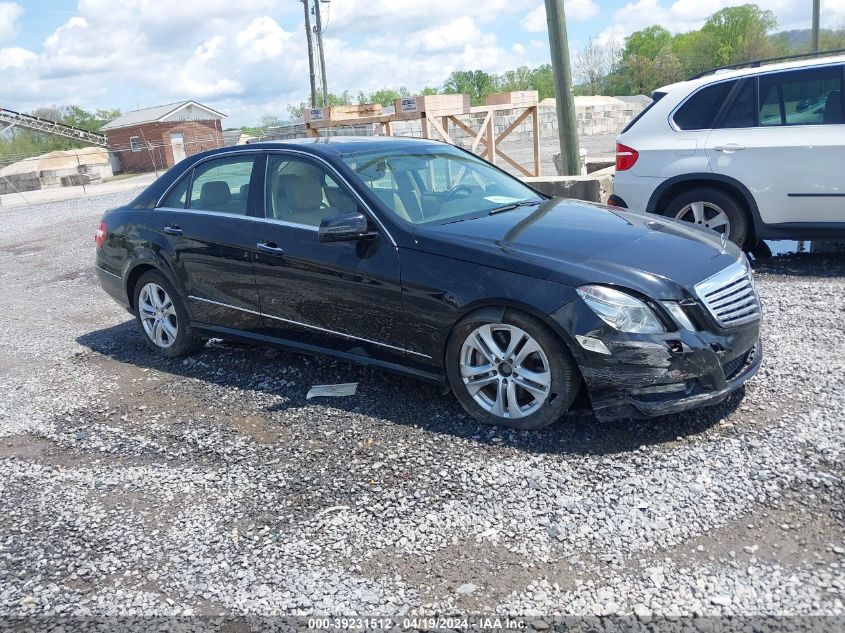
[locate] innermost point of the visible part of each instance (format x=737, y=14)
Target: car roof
x=344, y=145
x=722, y=75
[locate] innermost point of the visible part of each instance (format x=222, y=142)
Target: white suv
x=756, y=153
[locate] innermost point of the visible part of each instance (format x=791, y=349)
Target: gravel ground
x=135, y=485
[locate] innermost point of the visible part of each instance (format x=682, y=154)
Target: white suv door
x=783, y=137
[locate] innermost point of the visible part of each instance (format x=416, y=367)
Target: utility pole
x=566, y=126
x=310, y=53
x=318, y=28
x=814, y=45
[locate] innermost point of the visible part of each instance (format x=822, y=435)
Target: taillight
x=625, y=157
x=100, y=235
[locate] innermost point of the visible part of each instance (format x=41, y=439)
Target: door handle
x=271, y=248
x=172, y=229
x=730, y=147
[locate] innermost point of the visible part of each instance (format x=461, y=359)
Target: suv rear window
x=655, y=97
x=700, y=110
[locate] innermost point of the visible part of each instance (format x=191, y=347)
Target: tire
x=554, y=375
x=164, y=324
x=703, y=205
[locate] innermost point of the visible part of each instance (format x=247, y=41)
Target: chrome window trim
x=257, y=152
x=100, y=268
x=311, y=327
x=756, y=76
x=220, y=214
x=293, y=225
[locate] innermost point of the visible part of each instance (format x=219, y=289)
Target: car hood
x=573, y=243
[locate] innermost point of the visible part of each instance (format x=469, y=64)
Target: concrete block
x=590, y=188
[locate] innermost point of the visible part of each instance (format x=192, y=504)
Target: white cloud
x=362, y=16
x=576, y=11
x=262, y=40
x=247, y=58
x=15, y=58
x=9, y=14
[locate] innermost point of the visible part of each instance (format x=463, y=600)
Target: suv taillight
x=625, y=157
x=100, y=235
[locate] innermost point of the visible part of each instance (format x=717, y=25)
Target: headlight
x=621, y=310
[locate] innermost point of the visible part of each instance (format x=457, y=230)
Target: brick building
x=159, y=137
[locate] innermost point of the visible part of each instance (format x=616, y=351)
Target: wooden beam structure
x=437, y=113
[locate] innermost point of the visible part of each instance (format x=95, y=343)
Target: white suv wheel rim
x=706, y=214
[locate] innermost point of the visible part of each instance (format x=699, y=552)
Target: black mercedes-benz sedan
x=419, y=257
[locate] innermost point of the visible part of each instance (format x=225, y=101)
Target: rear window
x=700, y=110
x=655, y=96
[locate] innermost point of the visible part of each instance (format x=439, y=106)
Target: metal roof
x=155, y=114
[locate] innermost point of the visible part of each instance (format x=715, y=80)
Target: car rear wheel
x=511, y=370
x=162, y=317
x=713, y=209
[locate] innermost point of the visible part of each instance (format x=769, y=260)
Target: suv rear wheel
x=713, y=209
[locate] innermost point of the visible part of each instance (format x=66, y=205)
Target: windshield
x=436, y=184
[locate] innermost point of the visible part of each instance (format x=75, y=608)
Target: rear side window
x=178, y=196
x=743, y=111
x=802, y=97
x=222, y=185
x=655, y=97
x=700, y=110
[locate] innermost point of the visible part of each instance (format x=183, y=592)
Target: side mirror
x=345, y=227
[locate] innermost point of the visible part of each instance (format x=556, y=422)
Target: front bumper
x=647, y=375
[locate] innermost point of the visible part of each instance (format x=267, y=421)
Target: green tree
x=476, y=83
x=646, y=43
x=741, y=33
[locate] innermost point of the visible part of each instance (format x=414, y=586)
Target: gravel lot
x=135, y=485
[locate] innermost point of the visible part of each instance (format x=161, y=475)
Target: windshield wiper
x=513, y=205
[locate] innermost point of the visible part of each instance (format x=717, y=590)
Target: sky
x=247, y=58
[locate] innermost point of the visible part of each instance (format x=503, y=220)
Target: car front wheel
x=712, y=209
x=162, y=317
x=511, y=370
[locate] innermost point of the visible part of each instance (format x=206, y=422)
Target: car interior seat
x=215, y=195
x=833, y=107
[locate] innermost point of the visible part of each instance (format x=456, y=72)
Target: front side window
x=804, y=97
x=435, y=184
x=303, y=192
x=222, y=185
x=700, y=110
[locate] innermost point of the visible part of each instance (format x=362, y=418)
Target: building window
x=135, y=143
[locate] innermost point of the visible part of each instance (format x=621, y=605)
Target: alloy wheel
x=706, y=214
x=505, y=370
x=158, y=315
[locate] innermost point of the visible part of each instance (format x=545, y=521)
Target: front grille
x=730, y=296
x=733, y=367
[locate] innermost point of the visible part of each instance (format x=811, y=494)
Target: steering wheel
x=454, y=191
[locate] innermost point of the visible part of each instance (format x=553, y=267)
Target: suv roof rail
x=769, y=60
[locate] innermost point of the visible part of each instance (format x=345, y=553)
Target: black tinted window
x=801, y=97
x=700, y=110
x=222, y=185
x=179, y=194
x=743, y=110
